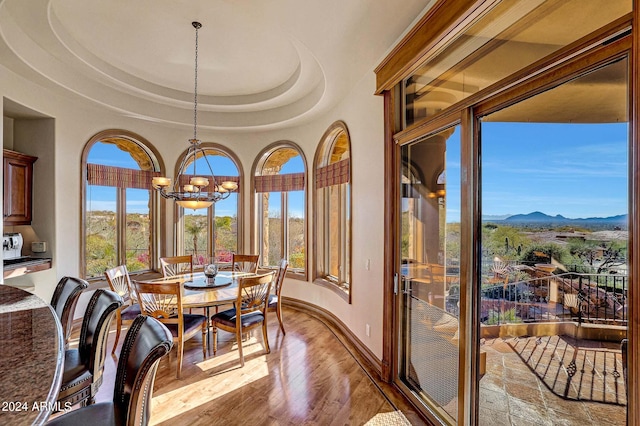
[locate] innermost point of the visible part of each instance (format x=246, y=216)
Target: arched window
x=215, y=230
x=119, y=206
x=280, y=207
x=332, y=230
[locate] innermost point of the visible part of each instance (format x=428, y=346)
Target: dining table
x=202, y=292
x=31, y=358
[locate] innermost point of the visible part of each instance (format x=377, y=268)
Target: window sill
x=331, y=285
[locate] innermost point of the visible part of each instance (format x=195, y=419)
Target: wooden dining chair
x=83, y=367
x=245, y=262
x=176, y=265
x=146, y=342
x=274, y=303
x=119, y=282
x=64, y=300
x=252, y=297
x=164, y=302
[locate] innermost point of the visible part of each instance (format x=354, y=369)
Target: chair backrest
x=96, y=323
x=176, y=265
x=282, y=271
x=162, y=301
x=253, y=293
x=120, y=282
x=64, y=300
x=245, y=262
x=147, y=341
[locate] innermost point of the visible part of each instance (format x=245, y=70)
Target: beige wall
x=75, y=122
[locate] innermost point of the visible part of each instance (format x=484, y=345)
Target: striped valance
x=280, y=183
x=184, y=180
x=120, y=177
x=333, y=174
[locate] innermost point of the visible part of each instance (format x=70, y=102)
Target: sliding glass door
x=430, y=250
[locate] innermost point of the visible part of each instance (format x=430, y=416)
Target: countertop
x=31, y=357
x=25, y=265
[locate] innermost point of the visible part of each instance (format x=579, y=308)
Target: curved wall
x=76, y=122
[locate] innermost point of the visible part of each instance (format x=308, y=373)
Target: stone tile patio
x=552, y=380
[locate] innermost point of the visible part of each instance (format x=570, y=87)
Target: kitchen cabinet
x=18, y=187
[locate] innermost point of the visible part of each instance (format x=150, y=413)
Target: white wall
x=76, y=122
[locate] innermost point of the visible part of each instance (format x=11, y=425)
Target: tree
x=194, y=227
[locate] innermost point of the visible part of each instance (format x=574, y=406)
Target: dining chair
x=64, y=300
x=83, y=367
x=146, y=342
x=163, y=301
x=120, y=282
x=252, y=297
x=176, y=265
x=245, y=262
x=274, y=303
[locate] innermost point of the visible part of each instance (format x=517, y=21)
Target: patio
x=552, y=380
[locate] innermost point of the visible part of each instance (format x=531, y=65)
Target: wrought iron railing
x=584, y=298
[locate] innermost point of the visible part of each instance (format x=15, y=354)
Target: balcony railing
x=583, y=298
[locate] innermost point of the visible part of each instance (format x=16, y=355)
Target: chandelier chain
x=195, y=90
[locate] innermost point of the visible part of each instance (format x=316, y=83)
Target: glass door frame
x=559, y=69
x=467, y=366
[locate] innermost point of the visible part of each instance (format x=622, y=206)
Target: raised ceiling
x=261, y=65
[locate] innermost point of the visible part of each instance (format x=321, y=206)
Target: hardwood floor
x=308, y=378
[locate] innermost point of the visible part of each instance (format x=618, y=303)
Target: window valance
x=280, y=183
x=120, y=177
x=333, y=174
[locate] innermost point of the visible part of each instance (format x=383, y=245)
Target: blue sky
x=575, y=170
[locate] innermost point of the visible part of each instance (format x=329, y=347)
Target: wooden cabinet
x=18, y=186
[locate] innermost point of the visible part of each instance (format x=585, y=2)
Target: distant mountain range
x=541, y=218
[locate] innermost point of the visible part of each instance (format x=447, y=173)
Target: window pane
x=271, y=228
x=119, y=153
x=334, y=230
x=297, y=229
x=101, y=238
x=195, y=234
x=554, y=254
x=137, y=232
x=226, y=228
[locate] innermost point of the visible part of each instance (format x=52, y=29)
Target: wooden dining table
x=199, y=292
x=31, y=358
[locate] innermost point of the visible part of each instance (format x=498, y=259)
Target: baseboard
x=361, y=352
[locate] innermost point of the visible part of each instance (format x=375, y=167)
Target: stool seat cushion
x=75, y=376
x=102, y=414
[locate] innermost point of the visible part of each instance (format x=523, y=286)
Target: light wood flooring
x=310, y=377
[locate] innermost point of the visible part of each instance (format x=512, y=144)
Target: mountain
x=542, y=218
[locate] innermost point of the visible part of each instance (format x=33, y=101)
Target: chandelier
x=200, y=192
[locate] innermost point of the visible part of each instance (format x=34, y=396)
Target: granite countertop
x=31, y=357
x=23, y=261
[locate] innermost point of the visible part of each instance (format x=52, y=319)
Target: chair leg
x=279, y=315
x=180, y=353
x=215, y=339
x=118, y=327
x=265, y=336
x=239, y=339
x=204, y=340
